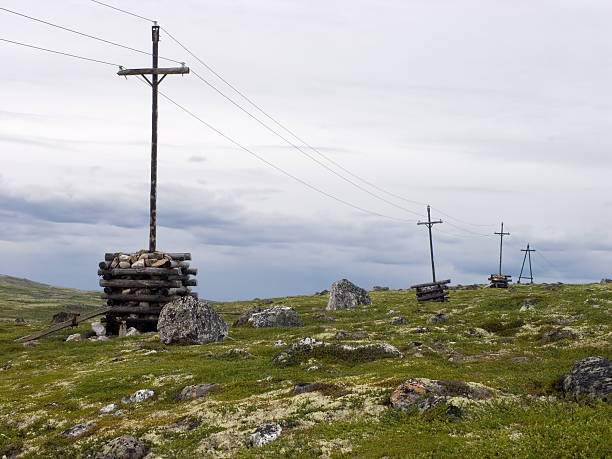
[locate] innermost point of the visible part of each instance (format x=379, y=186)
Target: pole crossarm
x=153, y=71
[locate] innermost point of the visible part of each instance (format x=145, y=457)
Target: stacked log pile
x=138, y=285
x=499, y=281
x=432, y=291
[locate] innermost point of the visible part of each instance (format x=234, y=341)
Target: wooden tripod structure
x=527, y=256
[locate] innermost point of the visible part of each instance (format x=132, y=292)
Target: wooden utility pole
x=527, y=255
x=501, y=244
x=429, y=224
x=155, y=81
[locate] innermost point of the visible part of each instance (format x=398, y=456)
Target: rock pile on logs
x=138, y=285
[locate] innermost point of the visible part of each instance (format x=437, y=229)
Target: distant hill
x=36, y=301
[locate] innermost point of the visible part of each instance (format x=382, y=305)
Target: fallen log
x=139, y=283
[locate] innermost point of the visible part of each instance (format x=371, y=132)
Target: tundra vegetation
x=485, y=340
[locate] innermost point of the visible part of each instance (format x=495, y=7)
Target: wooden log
x=139, y=283
x=190, y=282
x=179, y=264
x=179, y=256
x=122, y=310
x=429, y=296
x=140, y=272
x=190, y=271
x=176, y=256
x=179, y=291
x=430, y=284
x=138, y=298
x=104, y=265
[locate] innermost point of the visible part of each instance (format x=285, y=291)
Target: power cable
x=282, y=126
x=67, y=29
x=59, y=52
x=123, y=11
x=297, y=147
x=274, y=166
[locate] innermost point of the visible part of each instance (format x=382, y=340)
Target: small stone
x=354, y=336
x=401, y=320
x=78, y=430
x=138, y=264
x=132, y=332
x=20, y=320
x=438, y=318
x=196, y=391
x=478, y=332
x=98, y=328
x=324, y=318
x=75, y=337
x=520, y=359
x=124, y=447
x=527, y=307
x=30, y=344
x=265, y=433
x=124, y=264
x=124, y=257
x=279, y=343
x=557, y=335
x=422, y=330
x=160, y=263
x=111, y=408
x=313, y=368
x=138, y=396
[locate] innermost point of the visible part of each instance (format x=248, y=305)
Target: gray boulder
x=78, y=430
x=196, y=391
x=438, y=318
x=278, y=316
x=265, y=433
x=188, y=321
x=590, y=377
x=20, y=320
x=139, y=396
x=401, y=320
x=124, y=447
x=98, y=328
x=346, y=295
x=557, y=335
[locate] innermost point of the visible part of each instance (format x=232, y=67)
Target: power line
x=59, y=52
x=297, y=147
x=93, y=37
x=123, y=11
x=279, y=169
x=294, y=135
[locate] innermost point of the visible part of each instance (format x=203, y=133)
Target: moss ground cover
x=54, y=385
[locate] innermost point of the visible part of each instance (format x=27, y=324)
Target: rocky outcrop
x=557, y=335
x=196, y=391
x=346, y=295
x=278, y=316
x=124, y=447
x=590, y=377
x=420, y=394
x=353, y=353
x=265, y=433
x=78, y=430
x=243, y=319
x=188, y=321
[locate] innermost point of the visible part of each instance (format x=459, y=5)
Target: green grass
x=50, y=387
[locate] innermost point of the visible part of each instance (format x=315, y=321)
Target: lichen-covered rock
x=196, y=391
x=98, y=328
x=243, y=319
x=401, y=320
x=110, y=408
x=346, y=295
x=20, y=320
x=188, y=321
x=324, y=318
x=265, y=433
x=478, y=332
x=138, y=396
x=590, y=377
x=78, y=430
x=557, y=335
x=420, y=394
x=124, y=447
x=278, y=316
x=74, y=337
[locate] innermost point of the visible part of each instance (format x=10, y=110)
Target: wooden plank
x=121, y=310
x=155, y=71
x=139, y=283
x=140, y=272
x=68, y=323
x=430, y=296
x=431, y=284
x=138, y=298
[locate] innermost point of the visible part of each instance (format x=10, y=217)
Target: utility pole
x=155, y=81
x=527, y=255
x=429, y=224
x=501, y=243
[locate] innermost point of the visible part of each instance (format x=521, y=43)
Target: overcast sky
x=488, y=111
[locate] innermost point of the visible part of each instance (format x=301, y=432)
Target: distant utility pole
x=501, y=244
x=155, y=71
x=429, y=224
x=527, y=255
